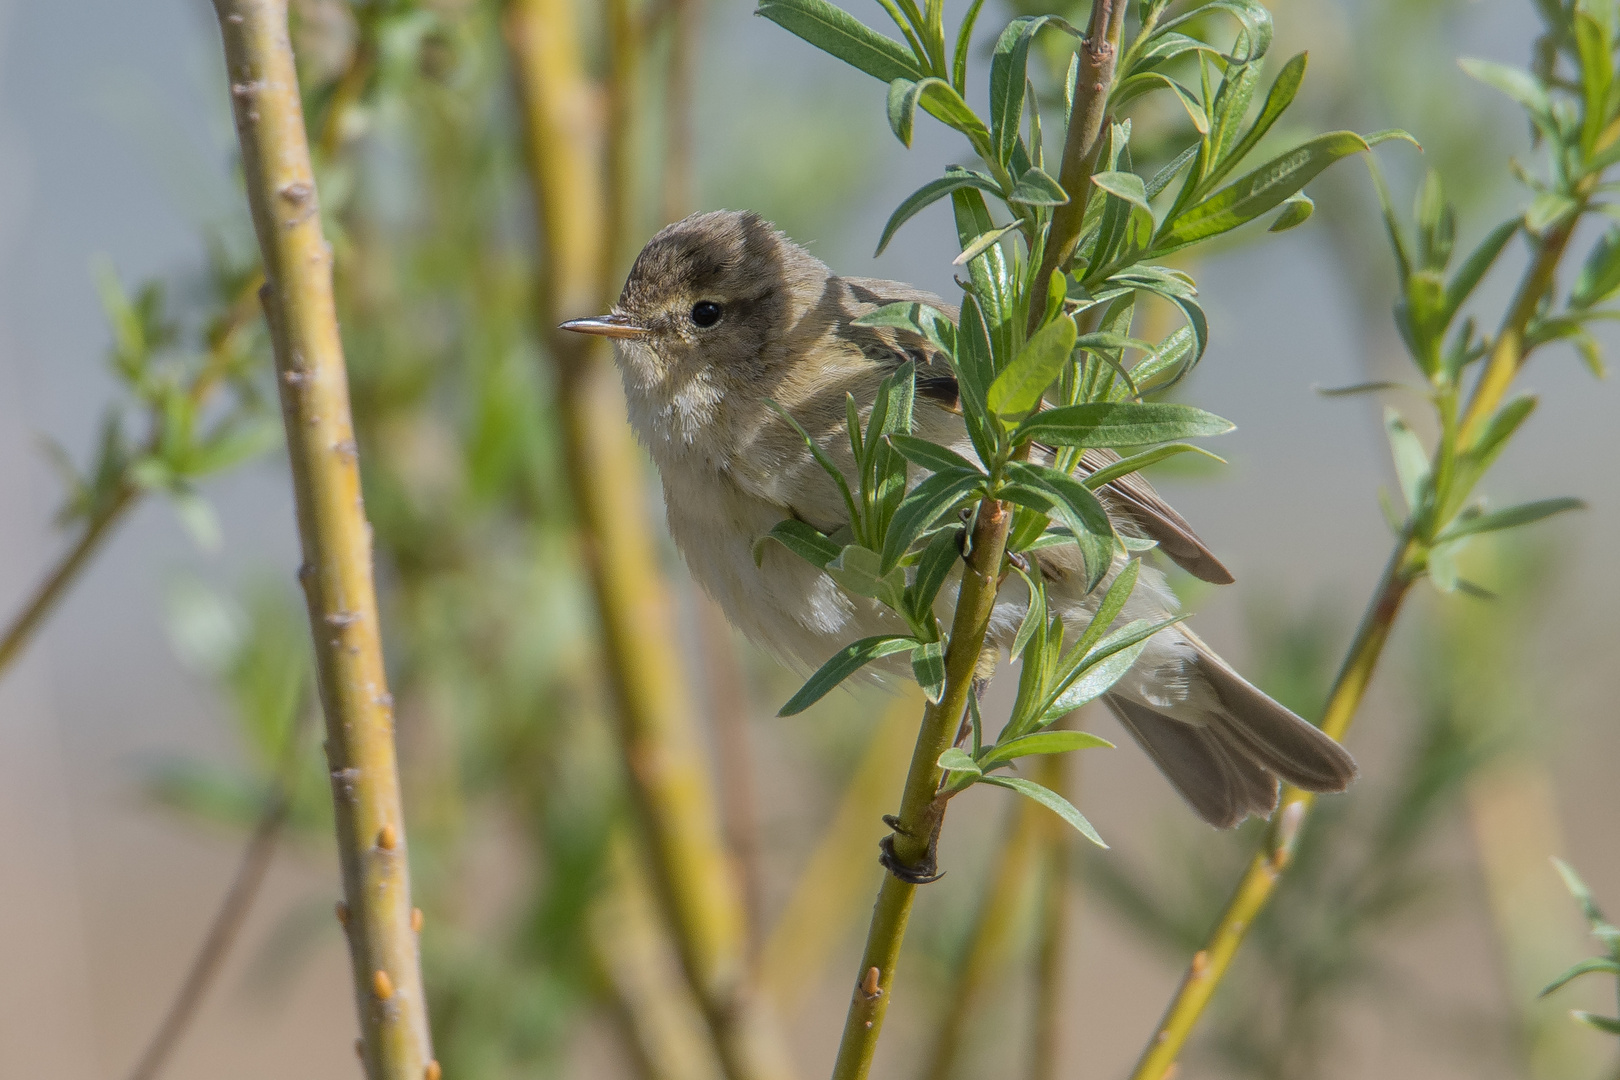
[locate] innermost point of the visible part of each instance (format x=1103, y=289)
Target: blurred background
x=142, y=728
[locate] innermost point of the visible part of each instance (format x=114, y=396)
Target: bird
x=723, y=315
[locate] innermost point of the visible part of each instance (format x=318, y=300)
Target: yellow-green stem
x=334, y=535
x=1210, y=963
x=992, y=932
x=1052, y=942
x=922, y=809
x=581, y=192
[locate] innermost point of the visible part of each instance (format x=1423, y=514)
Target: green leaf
x=1136, y=462
x=844, y=663
x=939, y=99
x=933, y=567
x=1033, y=620
x=1517, y=84
x=1283, y=89
x=1036, y=188
x=923, y=505
x=1411, y=460
x=902, y=109
x=1075, y=504
x=929, y=193
x=801, y=538
x=1252, y=16
x=1018, y=389
x=930, y=456
x=857, y=570
x=1119, y=423
x=1144, y=82
x=1548, y=209
x=1042, y=742
x=835, y=31
x=1049, y=799
x=1606, y=1024
x=1597, y=965
x=1125, y=185
x=964, y=38
x=928, y=666
x=1509, y=518
x=1113, y=602
x=1583, y=896
x=1479, y=261
x=1297, y=210
x=1251, y=195
x=1087, y=676
x=978, y=244
x=957, y=760
x=1008, y=67
x=1600, y=276
x=824, y=461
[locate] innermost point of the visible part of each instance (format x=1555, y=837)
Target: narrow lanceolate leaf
x=1008, y=67
x=1600, y=276
x=1119, y=423
x=979, y=244
x=1036, y=188
x=1071, y=501
x=928, y=667
x=834, y=30
x=844, y=663
x=1517, y=84
x=1050, y=799
x=1018, y=389
x=1126, y=185
x=1606, y=1024
x=1093, y=680
x=1480, y=260
x=1034, y=618
x=1113, y=602
x=938, y=98
x=1281, y=95
x=902, y=109
x=938, y=559
x=1249, y=196
x=1509, y=518
x=1411, y=460
x=929, y=193
x=930, y=456
x=923, y=505
x=801, y=538
x=1597, y=965
x=1125, y=466
x=1042, y=742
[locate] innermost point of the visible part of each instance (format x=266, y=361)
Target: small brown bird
x=721, y=314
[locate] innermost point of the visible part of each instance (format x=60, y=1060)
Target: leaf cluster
x=1606, y=933
x=1047, y=367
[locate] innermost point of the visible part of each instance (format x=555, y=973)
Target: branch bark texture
x=335, y=538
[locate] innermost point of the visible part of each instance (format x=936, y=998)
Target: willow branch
x=1052, y=940
x=1098, y=55
x=581, y=197
x=232, y=913
x=335, y=538
x=990, y=936
x=922, y=807
x=1248, y=900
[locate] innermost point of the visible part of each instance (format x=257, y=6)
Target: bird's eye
x=705, y=313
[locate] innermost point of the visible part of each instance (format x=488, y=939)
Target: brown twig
x=334, y=535
x=232, y=913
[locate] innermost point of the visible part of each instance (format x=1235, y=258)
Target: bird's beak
x=613, y=326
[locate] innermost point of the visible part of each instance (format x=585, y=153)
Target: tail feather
x=1269, y=733
x=1222, y=786
x=1225, y=746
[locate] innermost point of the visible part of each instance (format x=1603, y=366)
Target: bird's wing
x=1131, y=496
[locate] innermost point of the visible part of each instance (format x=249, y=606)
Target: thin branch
x=335, y=538
x=233, y=910
x=991, y=935
x=922, y=810
x=582, y=199
x=1081, y=143
x=1249, y=899
x=1052, y=940
x=56, y=583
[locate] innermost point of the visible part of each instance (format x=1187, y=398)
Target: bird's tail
x=1224, y=744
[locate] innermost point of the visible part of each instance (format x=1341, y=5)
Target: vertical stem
x=992, y=932
x=922, y=811
x=582, y=208
x=1057, y=847
x=334, y=535
x=1210, y=963
x=1080, y=144
x=677, y=179
x=739, y=803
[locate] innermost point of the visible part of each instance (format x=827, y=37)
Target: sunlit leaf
x=844, y=663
